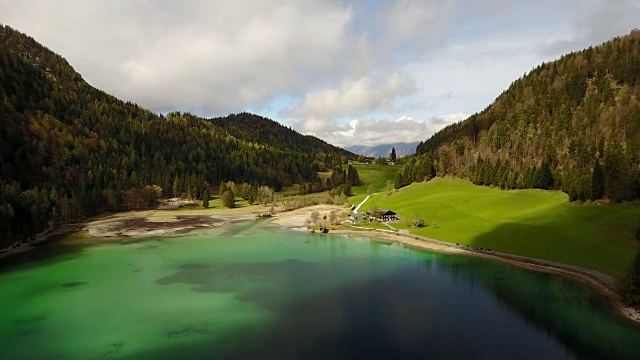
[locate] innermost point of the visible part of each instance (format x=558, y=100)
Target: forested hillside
x=255, y=128
x=572, y=124
x=68, y=149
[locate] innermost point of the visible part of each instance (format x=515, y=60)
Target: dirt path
x=362, y=203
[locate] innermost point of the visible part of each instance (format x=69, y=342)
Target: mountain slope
x=572, y=124
x=255, y=128
x=383, y=150
x=68, y=149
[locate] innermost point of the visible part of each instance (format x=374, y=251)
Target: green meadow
x=376, y=175
x=535, y=223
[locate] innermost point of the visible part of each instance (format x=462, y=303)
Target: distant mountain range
x=402, y=149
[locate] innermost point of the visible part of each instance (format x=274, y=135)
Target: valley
x=144, y=231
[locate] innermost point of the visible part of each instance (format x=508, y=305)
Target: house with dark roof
x=383, y=215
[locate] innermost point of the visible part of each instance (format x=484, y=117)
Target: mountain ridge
x=572, y=124
x=68, y=149
x=384, y=150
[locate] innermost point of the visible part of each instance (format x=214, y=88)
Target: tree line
x=571, y=125
x=68, y=150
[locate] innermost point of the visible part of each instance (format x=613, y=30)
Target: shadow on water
x=411, y=312
x=562, y=307
x=578, y=318
x=42, y=254
x=58, y=249
x=396, y=315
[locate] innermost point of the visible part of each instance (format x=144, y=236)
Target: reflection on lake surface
x=258, y=292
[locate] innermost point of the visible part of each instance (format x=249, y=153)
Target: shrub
x=630, y=286
x=228, y=199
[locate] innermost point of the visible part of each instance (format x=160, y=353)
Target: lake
x=251, y=290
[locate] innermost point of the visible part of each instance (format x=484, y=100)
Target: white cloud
x=355, y=97
x=208, y=57
x=314, y=64
x=371, y=132
x=416, y=21
x=597, y=23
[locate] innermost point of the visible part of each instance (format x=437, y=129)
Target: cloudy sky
x=350, y=72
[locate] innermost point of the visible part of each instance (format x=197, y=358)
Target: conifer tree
x=205, y=199
x=597, y=182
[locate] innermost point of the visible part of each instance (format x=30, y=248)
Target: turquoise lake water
x=253, y=291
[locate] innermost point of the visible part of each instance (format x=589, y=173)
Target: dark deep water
x=257, y=292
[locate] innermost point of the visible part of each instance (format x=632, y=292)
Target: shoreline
x=139, y=224
x=603, y=289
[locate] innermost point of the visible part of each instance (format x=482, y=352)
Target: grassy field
x=215, y=203
x=376, y=175
x=536, y=223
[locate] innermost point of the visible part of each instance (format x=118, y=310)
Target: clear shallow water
x=257, y=292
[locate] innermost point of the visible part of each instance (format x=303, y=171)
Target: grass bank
x=375, y=175
x=535, y=223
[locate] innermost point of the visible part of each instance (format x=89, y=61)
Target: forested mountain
x=255, y=128
x=384, y=150
x=68, y=149
x=571, y=124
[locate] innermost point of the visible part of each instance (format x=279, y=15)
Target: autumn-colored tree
x=315, y=217
x=228, y=199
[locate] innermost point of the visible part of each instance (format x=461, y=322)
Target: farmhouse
x=383, y=215
x=389, y=216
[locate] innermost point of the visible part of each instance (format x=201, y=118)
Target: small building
x=384, y=215
x=391, y=163
x=356, y=218
x=389, y=216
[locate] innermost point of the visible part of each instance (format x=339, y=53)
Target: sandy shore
x=172, y=222
x=158, y=224
x=143, y=223
x=168, y=222
x=295, y=219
